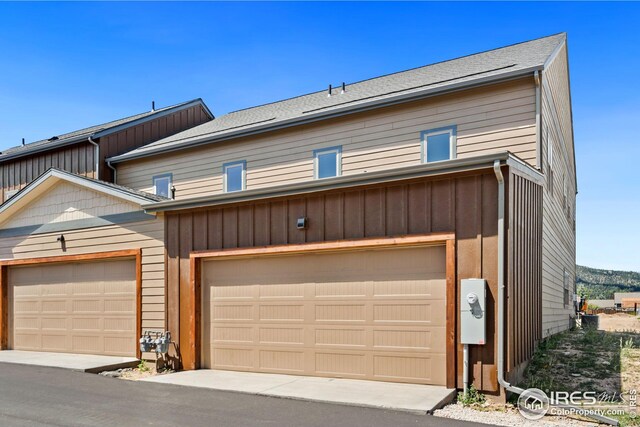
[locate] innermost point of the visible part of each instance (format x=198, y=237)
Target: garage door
x=87, y=307
x=374, y=314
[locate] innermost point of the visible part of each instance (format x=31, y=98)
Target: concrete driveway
x=374, y=394
x=39, y=396
x=75, y=362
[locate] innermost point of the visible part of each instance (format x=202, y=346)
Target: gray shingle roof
x=150, y=196
x=82, y=134
x=460, y=72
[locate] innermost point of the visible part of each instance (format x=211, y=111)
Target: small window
x=162, y=185
x=9, y=194
x=234, y=176
x=328, y=162
x=439, y=144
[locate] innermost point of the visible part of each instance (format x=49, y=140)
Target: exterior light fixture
x=302, y=223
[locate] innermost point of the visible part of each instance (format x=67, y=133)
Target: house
x=322, y=235
x=626, y=299
x=84, y=151
x=602, y=303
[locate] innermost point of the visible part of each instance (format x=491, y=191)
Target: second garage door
x=374, y=314
x=87, y=307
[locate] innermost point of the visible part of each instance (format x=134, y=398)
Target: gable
x=65, y=201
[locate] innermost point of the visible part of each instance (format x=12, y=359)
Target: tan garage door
x=87, y=307
x=374, y=314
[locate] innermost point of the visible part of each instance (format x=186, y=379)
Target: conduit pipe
x=501, y=324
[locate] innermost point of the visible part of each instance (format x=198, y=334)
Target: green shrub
x=473, y=397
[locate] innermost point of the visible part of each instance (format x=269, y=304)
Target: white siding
x=494, y=118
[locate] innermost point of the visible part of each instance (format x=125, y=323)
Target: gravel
x=510, y=417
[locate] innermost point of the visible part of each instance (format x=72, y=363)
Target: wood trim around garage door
x=447, y=239
x=4, y=285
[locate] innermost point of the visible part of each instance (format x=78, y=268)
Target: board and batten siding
x=524, y=272
x=558, y=232
x=77, y=158
x=145, y=235
x=466, y=205
x=493, y=118
x=145, y=133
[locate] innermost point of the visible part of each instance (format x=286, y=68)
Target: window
x=439, y=144
x=9, y=194
x=162, y=185
x=327, y=162
x=234, y=176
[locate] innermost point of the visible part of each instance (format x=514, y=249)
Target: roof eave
x=336, y=112
x=56, y=173
x=411, y=172
x=111, y=130
x=46, y=147
x=154, y=116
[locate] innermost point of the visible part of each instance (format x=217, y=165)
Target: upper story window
x=327, y=162
x=162, y=185
x=439, y=144
x=234, y=176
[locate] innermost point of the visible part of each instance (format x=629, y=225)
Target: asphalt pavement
x=41, y=396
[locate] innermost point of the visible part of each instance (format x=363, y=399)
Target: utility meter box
x=472, y=311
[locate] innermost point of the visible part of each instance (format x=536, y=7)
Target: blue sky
x=68, y=65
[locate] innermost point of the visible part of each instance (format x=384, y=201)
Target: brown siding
x=78, y=159
x=524, y=286
x=464, y=204
x=137, y=136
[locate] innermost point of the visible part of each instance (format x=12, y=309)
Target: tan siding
x=558, y=235
x=147, y=235
x=68, y=202
x=488, y=119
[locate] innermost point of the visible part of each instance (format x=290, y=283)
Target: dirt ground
x=620, y=322
x=603, y=361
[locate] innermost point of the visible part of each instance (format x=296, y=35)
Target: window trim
x=335, y=149
x=228, y=165
x=162, y=176
x=453, y=142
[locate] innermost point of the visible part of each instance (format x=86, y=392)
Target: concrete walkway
x=75, y=362
x=400, y=397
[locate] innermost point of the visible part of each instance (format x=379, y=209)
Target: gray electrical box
x=472, y=311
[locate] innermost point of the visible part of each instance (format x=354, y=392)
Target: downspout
x=115, y=172
x=536, y=78
x=501, y=323
x=95, y=144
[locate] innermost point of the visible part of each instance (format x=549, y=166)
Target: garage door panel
x=85, y=307
x=376, y=314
